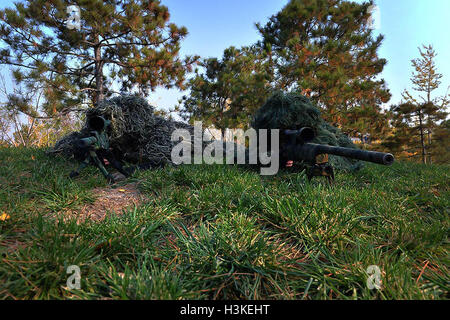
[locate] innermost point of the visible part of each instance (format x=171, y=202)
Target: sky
x=214, y=25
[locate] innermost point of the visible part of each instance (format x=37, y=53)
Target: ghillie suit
x=293, y=111
x=135, y=133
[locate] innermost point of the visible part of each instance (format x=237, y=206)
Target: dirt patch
x=111, y=199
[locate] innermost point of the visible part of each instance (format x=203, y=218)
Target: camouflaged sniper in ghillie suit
x=135, y=133
x=294, y=111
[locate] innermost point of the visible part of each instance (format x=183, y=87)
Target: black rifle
x=296, y=146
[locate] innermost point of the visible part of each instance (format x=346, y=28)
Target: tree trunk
x=428, y=102
x=99, y=96
x=422, y=140
x=430, y=161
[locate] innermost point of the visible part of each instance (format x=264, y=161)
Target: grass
x=223, y=232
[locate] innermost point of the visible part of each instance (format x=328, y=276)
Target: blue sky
x=214, y=25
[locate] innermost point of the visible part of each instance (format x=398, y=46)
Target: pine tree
x=22, y=123
x=130, y=42
x=418, y=116
x=326, y=50
x=440, y=147
x=230, y=90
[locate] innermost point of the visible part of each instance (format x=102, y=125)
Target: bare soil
x=111, y=200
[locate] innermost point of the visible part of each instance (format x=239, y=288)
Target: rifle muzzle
x=309, y=151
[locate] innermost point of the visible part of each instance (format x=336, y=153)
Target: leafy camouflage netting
x=136, y=134
x=294, y=111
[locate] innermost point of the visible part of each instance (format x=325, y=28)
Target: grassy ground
x=221, y=232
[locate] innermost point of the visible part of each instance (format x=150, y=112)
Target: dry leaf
x=435, y=192
x=4, y=216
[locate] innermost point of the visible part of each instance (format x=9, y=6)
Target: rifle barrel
x=309, y=151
